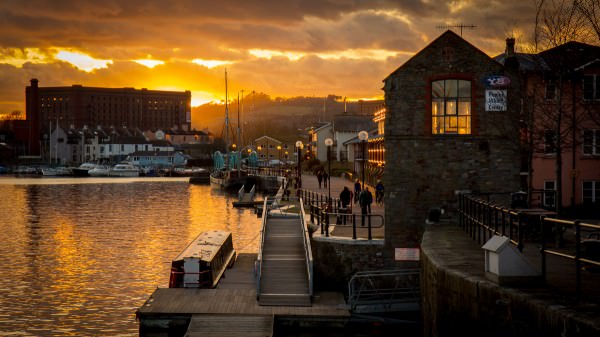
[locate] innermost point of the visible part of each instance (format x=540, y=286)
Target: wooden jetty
x=245, y=198
x=234, y=297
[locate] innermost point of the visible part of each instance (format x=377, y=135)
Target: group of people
x=364, y=198
x=322, y=177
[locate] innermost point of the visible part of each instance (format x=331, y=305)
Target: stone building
x=451, y=126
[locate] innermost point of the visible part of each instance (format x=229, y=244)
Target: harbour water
x=78, y=256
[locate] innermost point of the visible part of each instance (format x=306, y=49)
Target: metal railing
x=385, y=290
x=307, y=249
x=321, y=216
x=315, y=198
x=258, y=267
x=482, y=219
x=586, y=252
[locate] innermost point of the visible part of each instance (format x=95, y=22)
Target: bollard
x=326, y=222
x=353, y=227
x=370, y=237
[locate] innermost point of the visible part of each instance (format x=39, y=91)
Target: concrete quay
x=457, y=298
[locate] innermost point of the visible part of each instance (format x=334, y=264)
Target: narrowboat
x=204, y=261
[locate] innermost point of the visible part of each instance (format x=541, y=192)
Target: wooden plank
x=230, y=325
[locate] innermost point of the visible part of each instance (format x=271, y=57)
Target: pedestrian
x=325, y=179
x=319, y=177
x=364, y=200
x=345, y=196
x=356, y=190
x=379, y=192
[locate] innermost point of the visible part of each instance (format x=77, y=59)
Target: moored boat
x=59, y=171
x=204, y=261
x=83, y=169
x=99, y=171
x=124, y=170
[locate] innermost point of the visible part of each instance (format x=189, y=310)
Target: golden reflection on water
x=82, y=255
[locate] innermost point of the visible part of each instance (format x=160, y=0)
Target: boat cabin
x=203, y=262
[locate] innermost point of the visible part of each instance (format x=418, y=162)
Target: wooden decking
x=230, y=325
x=284, y=272
x=234, y=296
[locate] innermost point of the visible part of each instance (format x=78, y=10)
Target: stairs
x=284, y=280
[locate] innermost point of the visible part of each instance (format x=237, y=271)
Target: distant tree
x=590, y=9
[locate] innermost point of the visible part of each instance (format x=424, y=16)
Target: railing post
x=520, y=231
x=370, y=237
x=353, y=226
x=577, y=257
x=543, y=247
x=326, y=222
x=312, y=216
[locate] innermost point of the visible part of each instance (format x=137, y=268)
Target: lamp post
x=299, y=147
x=328, y=143
x=279, y=160
x=363, y=136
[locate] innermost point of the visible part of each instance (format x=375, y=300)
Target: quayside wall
x=458, y=300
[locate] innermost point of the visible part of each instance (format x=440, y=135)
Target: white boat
x=124, y=170
x=99, y=171
x=83, y=169
x=203, y=262
x=56, y=171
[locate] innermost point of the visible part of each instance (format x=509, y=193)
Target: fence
x=482, y=219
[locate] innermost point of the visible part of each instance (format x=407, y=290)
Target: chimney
x=510, y=47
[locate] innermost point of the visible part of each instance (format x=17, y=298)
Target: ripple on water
x=83, y=254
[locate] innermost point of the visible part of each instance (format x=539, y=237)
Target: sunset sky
x=283, y=48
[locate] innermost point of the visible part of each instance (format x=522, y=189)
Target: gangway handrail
x=307, y=249
x=258, y=267
x=363, y=288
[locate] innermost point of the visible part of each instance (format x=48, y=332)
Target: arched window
x=451, y=107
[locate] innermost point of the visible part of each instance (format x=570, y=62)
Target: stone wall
x=337, y=259
x=458, y=300
x=425, y=170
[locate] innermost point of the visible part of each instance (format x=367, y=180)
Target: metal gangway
x=284, y=266
x=385, y=291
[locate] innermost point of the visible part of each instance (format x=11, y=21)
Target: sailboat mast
x=226, y=116
x=239, y=144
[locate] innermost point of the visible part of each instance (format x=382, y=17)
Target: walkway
x=310, y=182
x=283, y=261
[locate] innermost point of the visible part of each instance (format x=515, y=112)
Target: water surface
x=78, y=256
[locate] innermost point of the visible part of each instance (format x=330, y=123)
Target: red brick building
x=80, y=106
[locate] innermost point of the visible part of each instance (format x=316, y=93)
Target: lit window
x=451, y=107
x=591, y=142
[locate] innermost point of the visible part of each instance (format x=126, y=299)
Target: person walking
x=319, y=177
x=325, y=179
x=364, y=200
x=345, y=196
x=379, y=193
x=356, y=190
x=345, y=199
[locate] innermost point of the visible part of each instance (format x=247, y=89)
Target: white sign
x=407, y=254
x=495, y=100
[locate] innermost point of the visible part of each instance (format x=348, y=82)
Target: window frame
x=594, y=147
x=444, y=123
x=549, y=147
x=595, y=90
x=549, y=196
x=595, y=191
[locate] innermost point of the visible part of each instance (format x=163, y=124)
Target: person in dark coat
x=345, y=197
x=319, y=177
x=365, y=199
x=325, y=178
x=357, y=189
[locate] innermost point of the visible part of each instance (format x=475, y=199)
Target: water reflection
x=79, y=256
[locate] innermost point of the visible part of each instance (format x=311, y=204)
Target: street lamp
x=279, y=150
x=328, y=143
x=299, y=147
x=363, y=136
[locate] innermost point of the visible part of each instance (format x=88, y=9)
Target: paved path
x=310, y=182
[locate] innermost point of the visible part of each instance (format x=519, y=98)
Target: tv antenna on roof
x=461, y=26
